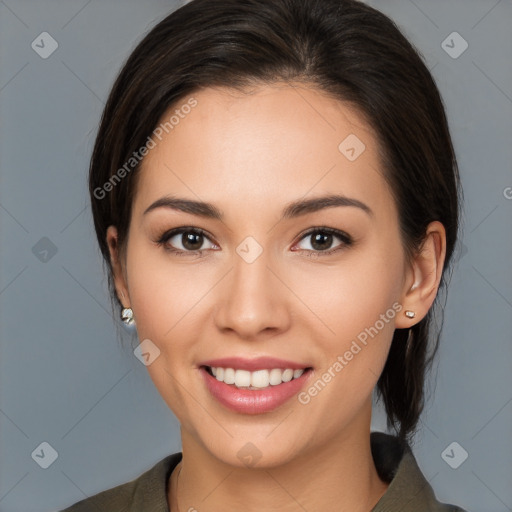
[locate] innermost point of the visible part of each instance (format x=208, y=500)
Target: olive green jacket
x=408, y=489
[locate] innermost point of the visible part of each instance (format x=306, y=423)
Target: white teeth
x=255, y=380
x=275, y=376
x=287, y=375
x=229, y=376
x=242, y=378
x=259, y=379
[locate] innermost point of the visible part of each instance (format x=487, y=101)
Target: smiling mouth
x=255, y=380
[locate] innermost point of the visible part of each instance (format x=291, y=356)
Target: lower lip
x=257, y=401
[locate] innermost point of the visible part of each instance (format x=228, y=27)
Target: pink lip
x=248, y=401
x=258, y=363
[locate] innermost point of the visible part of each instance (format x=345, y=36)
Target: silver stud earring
x=410, y=314
x=127, y=316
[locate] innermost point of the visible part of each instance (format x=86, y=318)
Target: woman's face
x=264, y=284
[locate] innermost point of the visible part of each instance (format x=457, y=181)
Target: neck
x=338, y=475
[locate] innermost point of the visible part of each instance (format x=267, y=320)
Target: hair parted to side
x=342, y=47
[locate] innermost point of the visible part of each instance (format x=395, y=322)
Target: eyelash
x=346, y=240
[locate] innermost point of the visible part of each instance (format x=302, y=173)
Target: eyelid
x=333, y=231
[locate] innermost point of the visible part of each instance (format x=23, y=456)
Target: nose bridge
x=252, y=301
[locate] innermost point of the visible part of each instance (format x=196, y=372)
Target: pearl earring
x=410, y=314
x=127, y=316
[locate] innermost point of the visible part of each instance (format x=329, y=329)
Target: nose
x=252, y=300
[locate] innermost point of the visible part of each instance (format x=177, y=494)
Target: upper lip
x=257, y=363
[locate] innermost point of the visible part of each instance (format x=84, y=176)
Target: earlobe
x=424, y=277
x=117, y=267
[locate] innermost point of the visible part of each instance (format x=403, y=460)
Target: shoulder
x=409, y=490
x=147, y=492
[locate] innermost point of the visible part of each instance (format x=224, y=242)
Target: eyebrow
x=294, y=209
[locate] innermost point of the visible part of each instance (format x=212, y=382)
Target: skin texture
x=251, y=155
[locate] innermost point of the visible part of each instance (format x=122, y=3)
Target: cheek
x=166, y=299
x=351, y=294
x=355, y=305
x=163, y=292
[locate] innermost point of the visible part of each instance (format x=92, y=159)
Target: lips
x=265, y=396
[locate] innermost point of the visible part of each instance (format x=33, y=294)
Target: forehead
x=261, y=146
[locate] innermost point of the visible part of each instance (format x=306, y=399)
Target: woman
x=276, y=196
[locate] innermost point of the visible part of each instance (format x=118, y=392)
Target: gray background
x=64, y=377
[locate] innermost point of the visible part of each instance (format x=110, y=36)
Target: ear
x=423, y=276
x=117, y=267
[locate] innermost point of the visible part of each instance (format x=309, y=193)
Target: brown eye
x=185, y=240
x=321, y=240
x=192, y=241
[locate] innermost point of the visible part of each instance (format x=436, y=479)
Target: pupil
x=321, y=241
x=192, y=241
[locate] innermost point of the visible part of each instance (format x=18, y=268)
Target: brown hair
x=342, y=47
